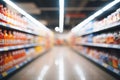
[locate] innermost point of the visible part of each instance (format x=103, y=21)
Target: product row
x=7, y=16
x=104, y=23
x=110, y=57
x=106, y=38
x=111, y=19
x=13, y=58
x=11, y=38
x=10, y=59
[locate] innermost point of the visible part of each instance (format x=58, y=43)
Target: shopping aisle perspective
x=59, y=39
x=61, y=63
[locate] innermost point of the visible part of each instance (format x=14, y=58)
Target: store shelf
x=100, y=45
x=17, y=28
x=17, y=47
x=108, y=67
x=103, y=28
x=6, y=73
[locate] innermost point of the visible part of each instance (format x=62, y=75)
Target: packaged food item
x=1, y=38
x=119, y=63
x=6, y=62
x=1, y=63
x=115, y=61
x=1, y=13
x=110, y=38
x=6, y=37
x=10, y=38
x=11, y=63
x=110, y=59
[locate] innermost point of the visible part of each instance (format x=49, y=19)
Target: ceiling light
x=57, y=29
x=61, y=15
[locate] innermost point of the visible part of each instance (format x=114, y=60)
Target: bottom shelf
x=6, y=73
x=108, y=67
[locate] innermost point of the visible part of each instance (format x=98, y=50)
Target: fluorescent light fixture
x=43, y=72
x=57, y=29
x=61, y=15
x=26, y=15
x=79, y=72
x=79, y=26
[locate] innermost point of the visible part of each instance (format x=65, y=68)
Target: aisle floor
x=61, y=63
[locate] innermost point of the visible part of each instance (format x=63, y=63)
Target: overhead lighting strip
x=61, y=15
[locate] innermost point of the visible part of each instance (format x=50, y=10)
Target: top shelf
x=17, y=28
x=102, y=29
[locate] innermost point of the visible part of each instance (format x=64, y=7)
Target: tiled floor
x=61, y=63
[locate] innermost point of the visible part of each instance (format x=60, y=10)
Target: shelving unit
x=17, y=47
x=6, y=73
x=106, y=27
x=100, y=45
x=22, y=39
x=90, y=37
x=16, y=28
x=116, y=71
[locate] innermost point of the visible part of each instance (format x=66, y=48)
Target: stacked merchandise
x=11, y=18
x=103, y=38
x=108, y=22
x=12, y=38
x=11, y=59
x=99, y=41
x=17, y=30
x=110, y=57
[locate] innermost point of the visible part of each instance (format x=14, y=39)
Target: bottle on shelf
x=6, y=62
x=10, y=60
x=11, y=38
x=2, y=14
x=119, y=63
x=1, y=38
x=115, y=61
x=1, y=63
x=6, y=37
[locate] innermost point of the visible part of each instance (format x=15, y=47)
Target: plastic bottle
x=14, y=57
x=110, y=38
x=118, y=14
x=10, y=38
x=119, y=63
x=1, y=63
x=15, y=38
x=1, y=38
x=5, y=14
x=6, y=61
x=5, y=38
x=115, y=61
x=110, y=59
x=10, y=60
x=1, y=13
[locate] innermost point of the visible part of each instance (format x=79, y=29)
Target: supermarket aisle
x=61, y=63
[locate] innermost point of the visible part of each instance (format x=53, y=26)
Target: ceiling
x=47, y=11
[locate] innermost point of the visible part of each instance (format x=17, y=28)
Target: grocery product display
x=110, y=21
x=12, y=19
x=20, y=41
x=10, y=59
x=44, y=40
x=99, y=41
